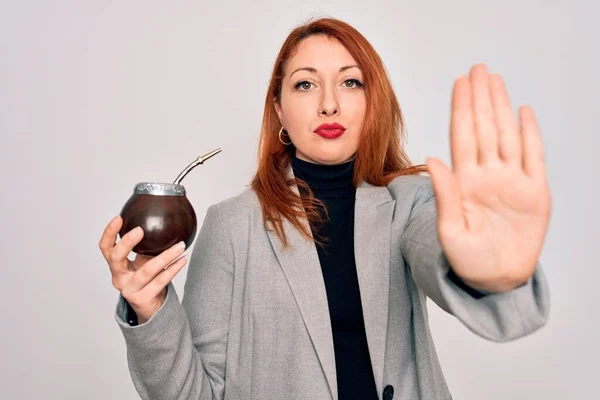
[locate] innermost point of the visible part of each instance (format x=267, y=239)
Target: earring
x=285, y=134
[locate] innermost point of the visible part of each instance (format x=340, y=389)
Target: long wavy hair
x=380, y=156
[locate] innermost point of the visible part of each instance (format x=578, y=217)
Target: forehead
x=321, y=52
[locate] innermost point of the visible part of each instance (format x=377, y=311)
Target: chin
x=330, y=158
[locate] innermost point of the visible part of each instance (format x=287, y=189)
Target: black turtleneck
x=332, y=184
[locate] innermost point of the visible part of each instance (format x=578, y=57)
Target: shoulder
x=416, y=187
x=236, y=210
x=246, y=199
x=415, y=197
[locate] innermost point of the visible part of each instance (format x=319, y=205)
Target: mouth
x=330, y=131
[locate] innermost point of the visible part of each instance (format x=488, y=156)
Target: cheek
x=298, y=114
x=356, y=109
x=360, y=107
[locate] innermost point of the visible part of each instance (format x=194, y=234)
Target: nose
x=328, y=111
x=329, y=103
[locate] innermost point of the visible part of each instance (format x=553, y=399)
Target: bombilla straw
x=198, y=161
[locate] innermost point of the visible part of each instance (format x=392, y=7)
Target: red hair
x=379, y=158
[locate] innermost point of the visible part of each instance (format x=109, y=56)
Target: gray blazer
x=254, y=321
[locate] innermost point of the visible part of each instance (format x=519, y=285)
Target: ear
x=278, y=109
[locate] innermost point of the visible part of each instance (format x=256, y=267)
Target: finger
x=462, y=135
x=509, y=136
x=161, y=280
x=533, y=148
x=118, y=256
x=109, y=236
x=448, y=199
x=152, y=268
x=485, y=125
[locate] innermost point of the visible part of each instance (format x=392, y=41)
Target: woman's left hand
x=494, y=204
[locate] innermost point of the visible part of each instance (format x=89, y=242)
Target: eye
x=303, y=85
x=352, y=83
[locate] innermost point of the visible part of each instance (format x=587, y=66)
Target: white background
x=96, y=96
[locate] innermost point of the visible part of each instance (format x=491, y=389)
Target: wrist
x=494, y=286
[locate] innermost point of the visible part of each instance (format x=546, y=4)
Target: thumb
x=448, y=198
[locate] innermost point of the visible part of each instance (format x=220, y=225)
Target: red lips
x=330, y=131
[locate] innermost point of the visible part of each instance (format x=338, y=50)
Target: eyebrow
x=314, y=70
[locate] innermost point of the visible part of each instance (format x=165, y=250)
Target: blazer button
x=388, y=392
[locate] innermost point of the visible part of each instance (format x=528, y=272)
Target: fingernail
x=138, y=231
x=181, y=245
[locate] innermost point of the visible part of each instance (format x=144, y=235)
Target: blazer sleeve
x=179, y=353
x=495, y=316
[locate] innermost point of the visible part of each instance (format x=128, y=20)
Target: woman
x=312, y=283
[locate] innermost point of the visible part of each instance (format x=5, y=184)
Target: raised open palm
x=494, y=204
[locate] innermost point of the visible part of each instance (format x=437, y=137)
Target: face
x=322, y=86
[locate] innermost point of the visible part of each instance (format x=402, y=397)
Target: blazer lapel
x=300, y=263
x=372, y=229
x=301, y=266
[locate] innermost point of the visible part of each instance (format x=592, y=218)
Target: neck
x=326, y=180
